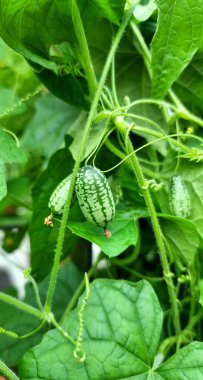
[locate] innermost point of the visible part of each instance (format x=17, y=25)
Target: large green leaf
x=189, y=85
x=11, y=319
x=3, y=187
x=177, y=39
x=122, y=326
x=124, y=232
x=185, y=364
x=132, y=78
x=95, y=136
x=43, y=239
x=122, y=330
x=30, y=29
x=181, y=235
x=46, y=130
x=132, y=81
x=9, y=151
x=67, y=87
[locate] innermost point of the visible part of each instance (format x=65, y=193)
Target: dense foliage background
x=119, y=86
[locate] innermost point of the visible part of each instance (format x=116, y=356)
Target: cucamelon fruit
x=95, y=197
x=179, y=199
x=59, y=196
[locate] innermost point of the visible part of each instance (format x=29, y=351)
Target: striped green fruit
x=179, y=199
x=95, y=197
x=59, y=196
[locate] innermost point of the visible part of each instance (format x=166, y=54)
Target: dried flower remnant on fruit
x=107, y=233
x=49, y=221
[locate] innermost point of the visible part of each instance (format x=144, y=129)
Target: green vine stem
x=121, y=155
x=183, y=112
x=175, y=142
x=21, y=305
x=4, y=370
x=14, y=335
x=113, y=83
x=132, y=257
x=88, y=67
x=9, y=333
x=137, y=274
x=195, y=319
x=61, y=330
x=13, y=135
x=140, y=148
x=123, y=127
x=154, y=133
x=27, y=274
x=90, y=119
x=172, y=340
x=159, y=103
x=36, y=290
x=19, y=202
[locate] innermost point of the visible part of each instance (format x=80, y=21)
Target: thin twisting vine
x=21, y=101
x=79, y=352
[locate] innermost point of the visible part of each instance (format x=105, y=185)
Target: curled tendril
x=194, y=155
x=75, y=70
x=184, y=278
x=21, y=101
x=153, y=185
x=26, y=272
x=79, y=352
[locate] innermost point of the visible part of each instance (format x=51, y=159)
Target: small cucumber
x=179, y=199
x=59, y=196
x=95, y=197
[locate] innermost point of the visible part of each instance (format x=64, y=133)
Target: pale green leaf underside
x=96, y=134
x=45, y=133
x=182, y=237
x=186, y=364
x=176, y=40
